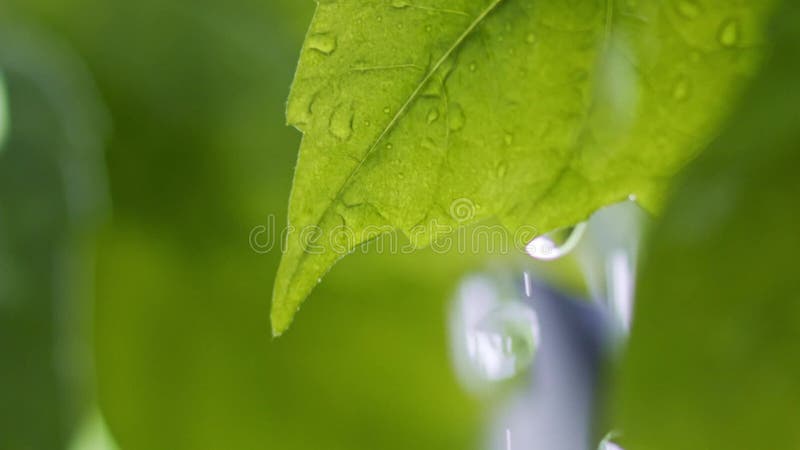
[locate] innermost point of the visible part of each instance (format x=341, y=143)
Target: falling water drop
x=545, y=248
x=504, y=342
x=324, y=43
x=494, y=338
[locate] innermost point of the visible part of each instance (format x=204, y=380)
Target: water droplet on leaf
x=688, y=8
x=433, y=115
x=457, y=118
x=322, y=42
x=341, y=123
x=730, y=33
x=682, y=89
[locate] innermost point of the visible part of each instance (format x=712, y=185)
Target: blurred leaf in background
x=53, y=197
x=4, y=119
x=199, y=158
x=713, y=360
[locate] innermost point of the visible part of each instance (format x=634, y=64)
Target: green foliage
x=538, y=113
x=713, y=360
x=4, y=119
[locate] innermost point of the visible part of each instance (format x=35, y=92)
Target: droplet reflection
x=545, y=248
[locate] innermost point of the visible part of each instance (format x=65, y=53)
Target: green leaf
x=713, y=360
x=422, y=116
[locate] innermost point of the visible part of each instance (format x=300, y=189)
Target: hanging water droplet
x=689, y=9
x=433, y=115
x=324, y=43
x=607, y=444
x=545, y=248
x=457, y=118
x=682, y=89
x=730, y=33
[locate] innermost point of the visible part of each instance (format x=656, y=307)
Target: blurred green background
x=147, y=142
x=142, y=282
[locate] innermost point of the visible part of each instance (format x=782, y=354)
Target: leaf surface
x=422, y=116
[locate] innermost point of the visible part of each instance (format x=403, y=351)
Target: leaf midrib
x=400, y=113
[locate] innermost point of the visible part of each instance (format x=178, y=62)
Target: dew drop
x=341, y=123
x=682, y=89
x=389, y=146
x=433, y=115
x=473, y=67
x=387, y=110
x=530, y=38
x=730, y=33
x=428, y=28
x=545, y=248
x=689, y=9
x=508, y=139
x=429, y=144
x=400, y=4
x=322, y=42
x=502, y=169
x=457, y=118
